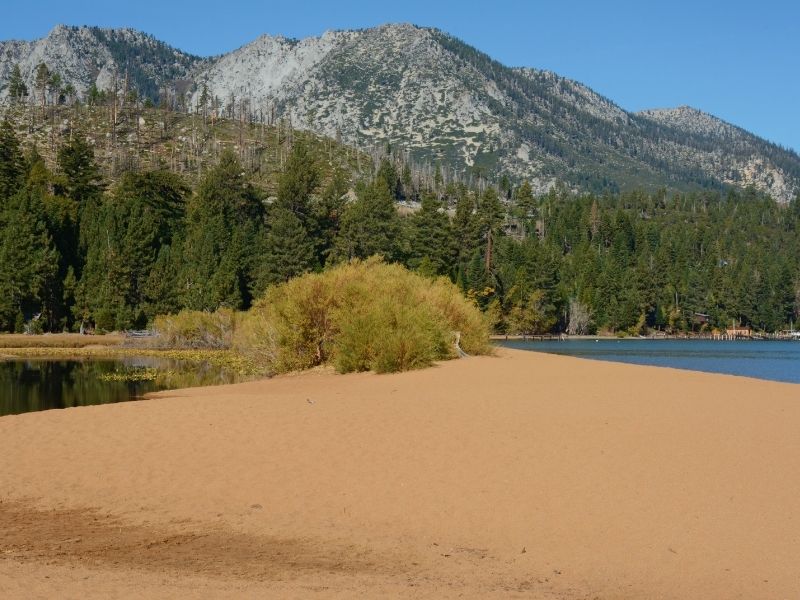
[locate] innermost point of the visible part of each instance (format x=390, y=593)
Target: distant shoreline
x=565, y=337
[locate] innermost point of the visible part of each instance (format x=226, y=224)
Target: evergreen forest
x=80, y=252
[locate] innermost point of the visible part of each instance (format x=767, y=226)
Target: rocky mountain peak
x=691, y=119
x=432, y=96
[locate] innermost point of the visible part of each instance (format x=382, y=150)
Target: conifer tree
x=369, y=225
x=54, y=85
x=80, y=178
x=288, y=250
x=490, y=218
x=327, y=211
x=409, y=193
x=224, y=222
x=42, y=81
x=431, y=237
x=17, y=90
x=388, y=178
x=160, y=293
x=299, y=181
x=525, y=207
x=12, y=163
x=465, y=227
x=28, y=262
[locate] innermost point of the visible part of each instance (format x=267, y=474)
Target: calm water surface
x=28, y=385
x=777, y=361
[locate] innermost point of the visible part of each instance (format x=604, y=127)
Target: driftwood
x=461, y=353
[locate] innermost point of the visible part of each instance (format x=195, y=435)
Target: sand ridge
x=521, y=475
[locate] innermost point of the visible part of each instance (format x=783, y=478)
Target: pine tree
x=203, y=100
x=387, y=177
x=17, y=90
x=42, y=81
x=431, y=237
x=28, y=261
x=409, y=193
x=223, y=224
x=326, y=211
x=147, y=210
x=299, y=181
x=105, y=285
x=465, y=228
x=79, y=183
x=288, y=250
x=369, y=225
x=505, y=186
x=490, y=218
x=160, y=293
x=54, y=85
x=12, y=163
x=80, y=178
x=525, y=207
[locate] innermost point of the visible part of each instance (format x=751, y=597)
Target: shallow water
x=28, y=385
x=773, y=360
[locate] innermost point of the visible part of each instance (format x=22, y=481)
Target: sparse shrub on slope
x=365, y=315
x=195, y=329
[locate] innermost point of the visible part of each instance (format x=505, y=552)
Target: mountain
x=83, y=56
x=735, y=156
x=436, y=98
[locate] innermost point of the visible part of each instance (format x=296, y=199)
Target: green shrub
x=390, y=335
x=365, y=315
x=195, y=329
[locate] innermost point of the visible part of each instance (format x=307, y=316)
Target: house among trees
x=737, y=331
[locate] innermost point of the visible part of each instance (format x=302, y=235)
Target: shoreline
x=525, y=474
x=562, y=337
x=228, y=359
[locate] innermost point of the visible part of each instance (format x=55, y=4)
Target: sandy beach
x=522, y=475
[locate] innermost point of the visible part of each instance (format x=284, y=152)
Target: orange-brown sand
x=518, y=476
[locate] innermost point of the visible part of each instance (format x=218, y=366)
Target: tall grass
x=58, y=340
x=365, y=315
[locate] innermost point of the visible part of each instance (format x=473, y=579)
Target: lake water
x=774, y=360
x=28, y=385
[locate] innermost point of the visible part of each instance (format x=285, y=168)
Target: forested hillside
x=110, y=248
x=134, y=136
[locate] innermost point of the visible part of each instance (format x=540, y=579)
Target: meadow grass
x=58, y=340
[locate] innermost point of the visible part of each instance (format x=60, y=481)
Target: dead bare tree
x=580, y=318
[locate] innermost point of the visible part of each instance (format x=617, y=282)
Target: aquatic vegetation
x=132, y=374
x=224, y=359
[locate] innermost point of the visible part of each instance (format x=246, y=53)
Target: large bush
x=196, y=329
x=365, y=315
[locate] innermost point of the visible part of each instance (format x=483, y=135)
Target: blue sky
x=738, y=60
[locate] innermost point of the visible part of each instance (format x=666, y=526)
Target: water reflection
x=28, y=385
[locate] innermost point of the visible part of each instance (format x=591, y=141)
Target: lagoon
x=771, y=360
x=34, y=384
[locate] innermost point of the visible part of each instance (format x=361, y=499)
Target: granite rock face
x=438, y=99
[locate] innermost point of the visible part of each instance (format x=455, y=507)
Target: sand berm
x=516, y=476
